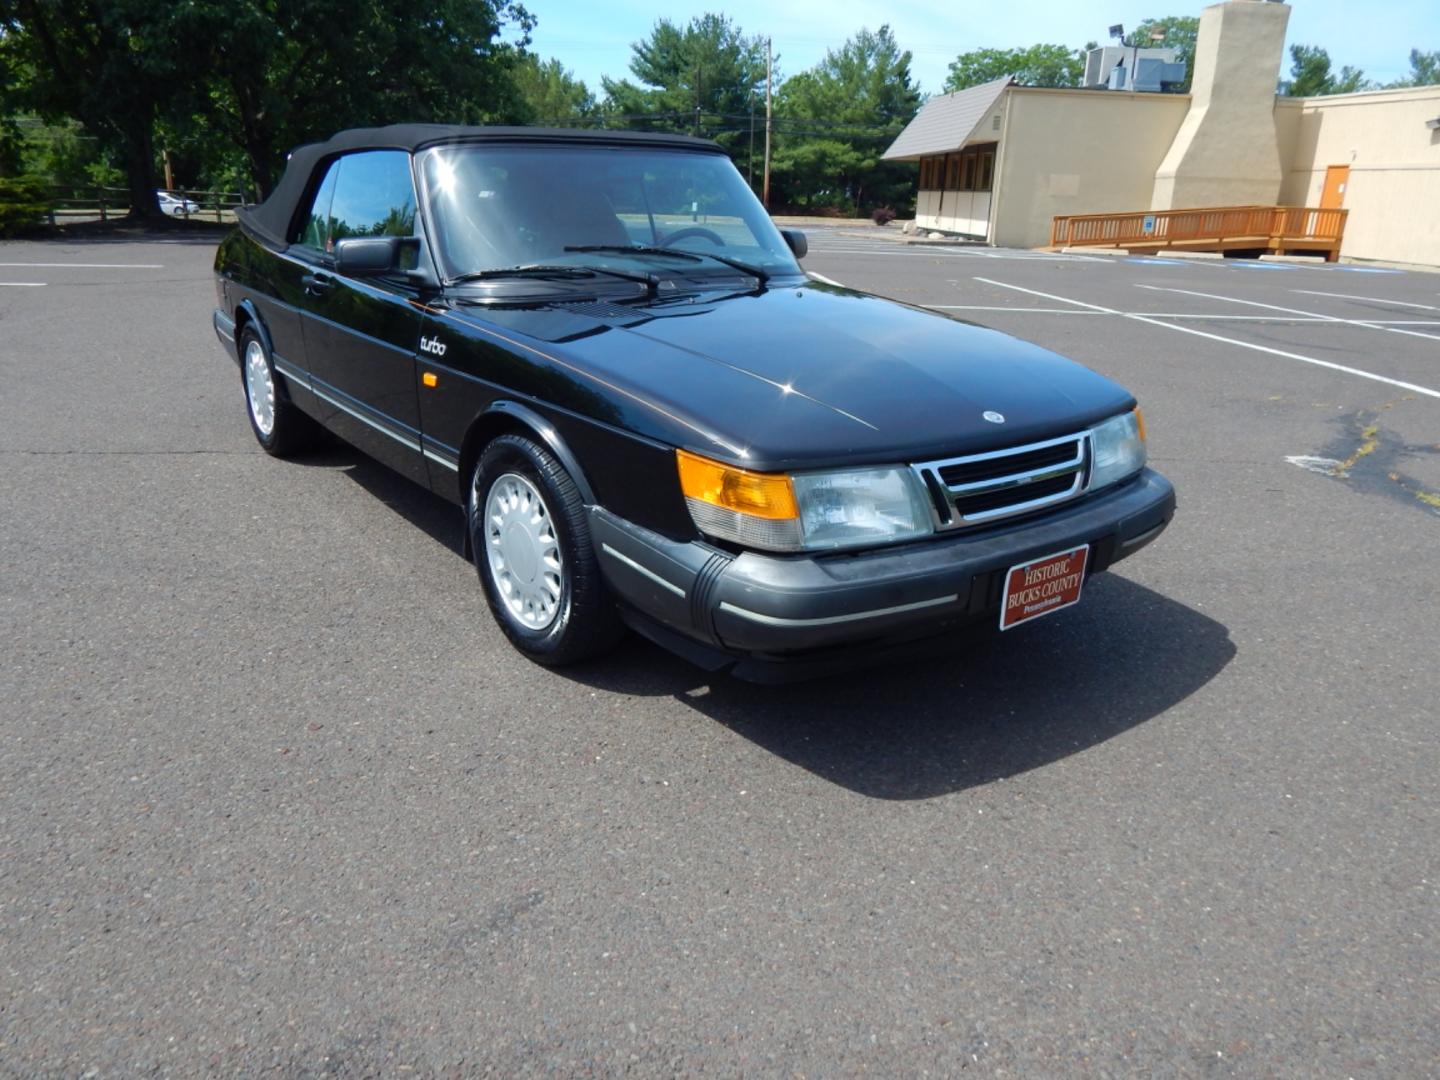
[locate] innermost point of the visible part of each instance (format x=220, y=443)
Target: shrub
x=882, y=215
x=24, y=200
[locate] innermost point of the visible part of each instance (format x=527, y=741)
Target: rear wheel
x=280, y=428
x=534, y=555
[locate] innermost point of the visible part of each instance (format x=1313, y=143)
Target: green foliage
x=1424, y=70
x=226, y=82
x=1176, y=32
x=109, y=66
x=24, y=201
x=65, y=154
x=271, y=74
x=1039, y=65
x=1310, y=74
x=698, y=78
x=549, y=94
x=835, y=120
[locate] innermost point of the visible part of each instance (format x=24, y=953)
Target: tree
x=282, y=72
x=1176, y=32
x=104, y=64
x=549, y=94
x=1310, y=74
x=246, y=80
x=1424, y=70
x=1039, y=65
x=702, y=79
x=835, y=120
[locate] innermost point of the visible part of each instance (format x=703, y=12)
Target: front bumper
x=765, y=611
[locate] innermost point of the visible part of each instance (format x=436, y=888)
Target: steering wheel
x=694, y=230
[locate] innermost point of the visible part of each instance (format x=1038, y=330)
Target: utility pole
x=698, y=70
x=765, y=196
x=750, y=171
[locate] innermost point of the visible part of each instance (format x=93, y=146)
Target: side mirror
x=362, y=256
x=798, y=244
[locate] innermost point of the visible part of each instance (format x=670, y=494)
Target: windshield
x=494, y=207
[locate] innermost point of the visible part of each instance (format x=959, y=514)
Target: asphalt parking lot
x=275, y=794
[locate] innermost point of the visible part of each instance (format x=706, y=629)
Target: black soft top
x=270, y=220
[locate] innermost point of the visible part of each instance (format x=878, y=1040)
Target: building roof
x=947, y=121
x=271, y=220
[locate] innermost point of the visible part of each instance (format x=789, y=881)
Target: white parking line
x=1367, y=324
x=1200, y=316
x=1368, y=299
x=881, y=247
x=90, y=266
x=23, y=284
x=1216, y=337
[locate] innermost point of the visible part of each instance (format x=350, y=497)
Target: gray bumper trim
x=642, y=570
x=833, y=620
x=225, y=331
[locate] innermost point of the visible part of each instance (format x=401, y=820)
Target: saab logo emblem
x=988, y=414
x=433, y=345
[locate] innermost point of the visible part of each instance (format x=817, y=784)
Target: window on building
x=986, y=172
x=967, y=172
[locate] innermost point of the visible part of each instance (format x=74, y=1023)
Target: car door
x=361, y=335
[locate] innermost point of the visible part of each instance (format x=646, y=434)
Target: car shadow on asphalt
x=997, y=706
x=993, y=706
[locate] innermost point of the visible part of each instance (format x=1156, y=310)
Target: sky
x=593, y=39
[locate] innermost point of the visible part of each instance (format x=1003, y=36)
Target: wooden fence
x=1277, y=229
x=104, y=203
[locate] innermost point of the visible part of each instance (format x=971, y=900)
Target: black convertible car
x=601, y=348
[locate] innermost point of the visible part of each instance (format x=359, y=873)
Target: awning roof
x=947, y=121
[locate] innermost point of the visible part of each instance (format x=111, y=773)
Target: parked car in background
x=601, y=349
x=176, y=205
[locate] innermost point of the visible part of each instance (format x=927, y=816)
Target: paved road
x=275, y=794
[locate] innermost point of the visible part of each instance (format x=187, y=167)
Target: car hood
x=814, y=374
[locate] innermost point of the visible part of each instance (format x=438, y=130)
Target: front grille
x=982, y=488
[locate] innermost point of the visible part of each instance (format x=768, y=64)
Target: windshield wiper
x=693, y=256
x=556, y=272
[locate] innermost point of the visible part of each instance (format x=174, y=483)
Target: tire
x=280, y=428
x=535, y=557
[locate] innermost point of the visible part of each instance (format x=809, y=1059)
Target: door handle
x=316, y=284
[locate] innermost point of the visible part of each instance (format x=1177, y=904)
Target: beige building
x=999, y=161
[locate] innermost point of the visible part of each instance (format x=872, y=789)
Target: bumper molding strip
x=644, y=571
x=831, y=620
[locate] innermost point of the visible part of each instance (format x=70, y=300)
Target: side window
x=316, y=233
x=374, y=196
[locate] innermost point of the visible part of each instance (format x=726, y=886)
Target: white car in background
x=175, y=205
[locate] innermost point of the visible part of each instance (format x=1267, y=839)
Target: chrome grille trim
x=953, y=516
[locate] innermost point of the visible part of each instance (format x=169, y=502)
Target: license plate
x=1043, y=586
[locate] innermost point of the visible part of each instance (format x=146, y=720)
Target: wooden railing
x=1277, y=229
x=103, y=203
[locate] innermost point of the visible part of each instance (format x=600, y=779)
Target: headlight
x=1118, y=447
x=862, y=506
x=809, y=511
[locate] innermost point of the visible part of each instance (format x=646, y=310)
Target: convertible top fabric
x=270, y=221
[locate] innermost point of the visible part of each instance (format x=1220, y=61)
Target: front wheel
x=280, y=428
x=534, y=555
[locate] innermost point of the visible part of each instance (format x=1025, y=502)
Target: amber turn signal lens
x=1140, y=422
x=430, y=379
x=763, y=495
